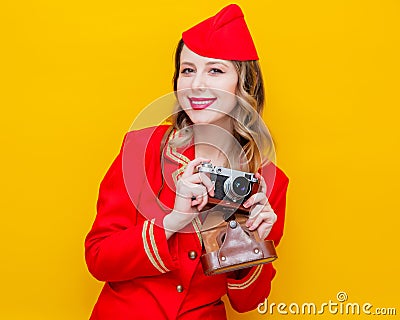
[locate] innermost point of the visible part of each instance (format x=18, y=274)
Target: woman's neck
x=214, y=142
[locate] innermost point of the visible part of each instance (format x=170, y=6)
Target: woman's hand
x=262, y=216
x=192, y=191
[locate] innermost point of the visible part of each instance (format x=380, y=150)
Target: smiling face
x=206, y=88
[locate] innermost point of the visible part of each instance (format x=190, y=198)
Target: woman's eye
x=187, y=70
x=216, y=70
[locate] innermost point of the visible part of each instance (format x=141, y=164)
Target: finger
x=190, y=190
x=206, y=181
x=257, y=198
x=190, y=168
x=203, y=203
x=186, y=189
x=196, y=200
x=266, y=217
x=203, y=179
x=198, y=191
x=264, y=230
x=255, y=211
x=263, y=184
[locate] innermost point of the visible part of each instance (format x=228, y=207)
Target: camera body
x=232, y=188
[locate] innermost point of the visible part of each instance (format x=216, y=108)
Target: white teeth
x=202, y=102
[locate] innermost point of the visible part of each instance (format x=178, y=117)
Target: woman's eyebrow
x=217, y=62
x=207, y=64
x=188, y=63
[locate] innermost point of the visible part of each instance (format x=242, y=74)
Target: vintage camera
x=229, y=245
x=232, y=188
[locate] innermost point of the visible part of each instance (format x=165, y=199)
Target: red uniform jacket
x=146, y=275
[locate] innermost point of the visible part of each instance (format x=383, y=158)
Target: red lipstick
x=201, y=103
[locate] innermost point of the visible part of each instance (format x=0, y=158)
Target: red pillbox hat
x=223, y=36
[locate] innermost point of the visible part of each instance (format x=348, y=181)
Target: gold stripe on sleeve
x=155, y=249
x=147, y=249
x=248, y=282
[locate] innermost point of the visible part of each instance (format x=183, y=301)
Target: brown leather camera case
x=230, y=246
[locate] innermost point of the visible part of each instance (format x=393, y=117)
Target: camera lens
x=241, y=186
x=236, y=189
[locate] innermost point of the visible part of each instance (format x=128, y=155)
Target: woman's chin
x=205, y=117
x=201, y=121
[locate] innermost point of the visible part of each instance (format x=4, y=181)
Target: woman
x=145, y=242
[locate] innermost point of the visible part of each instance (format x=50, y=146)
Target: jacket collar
x=178, y=157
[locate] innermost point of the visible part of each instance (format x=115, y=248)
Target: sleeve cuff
x=251, y=277
x=156, y=247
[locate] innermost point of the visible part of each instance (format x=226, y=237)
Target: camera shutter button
x=233, y=224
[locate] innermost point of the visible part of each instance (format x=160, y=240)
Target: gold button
x=179, y=288
x=192, y=255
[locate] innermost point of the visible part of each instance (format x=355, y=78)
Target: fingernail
x=252, y=227
x=246, y=204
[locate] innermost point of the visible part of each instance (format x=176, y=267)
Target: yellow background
x=75, y=73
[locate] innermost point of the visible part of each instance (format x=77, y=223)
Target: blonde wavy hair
x=248, y=126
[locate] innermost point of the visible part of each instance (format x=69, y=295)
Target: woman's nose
x=199, y=81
